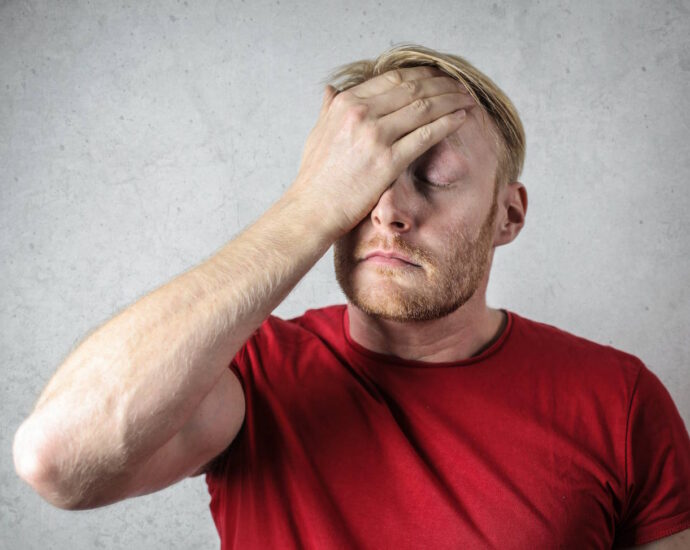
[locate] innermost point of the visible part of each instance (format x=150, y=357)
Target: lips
x=389, y=257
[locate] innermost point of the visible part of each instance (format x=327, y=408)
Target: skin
x=437, y=310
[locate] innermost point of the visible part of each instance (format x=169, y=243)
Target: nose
x=393, y=212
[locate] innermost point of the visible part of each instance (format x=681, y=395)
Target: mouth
x=389, y=259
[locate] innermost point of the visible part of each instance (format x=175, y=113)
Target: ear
x=512, y=209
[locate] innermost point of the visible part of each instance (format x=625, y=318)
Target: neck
x=462, y=334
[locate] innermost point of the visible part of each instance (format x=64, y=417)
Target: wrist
x=309, y=218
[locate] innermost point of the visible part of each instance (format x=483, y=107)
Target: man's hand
x=366, y=136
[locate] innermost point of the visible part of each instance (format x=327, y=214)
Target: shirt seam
x=370, y=356
x=664, y=532
x=625, y=442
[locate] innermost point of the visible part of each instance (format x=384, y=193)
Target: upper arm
x=207, y=433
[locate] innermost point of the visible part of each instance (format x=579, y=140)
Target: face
x=439, y=215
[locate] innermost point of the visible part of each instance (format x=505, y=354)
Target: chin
x=403, y=305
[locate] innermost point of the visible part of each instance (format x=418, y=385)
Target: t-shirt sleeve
x=241, y=362
x=237, y=366
x=657, y=466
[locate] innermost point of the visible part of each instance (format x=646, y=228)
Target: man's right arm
x=148, y=398
x=126, y=406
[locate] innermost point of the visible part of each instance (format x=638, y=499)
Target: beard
x=396, y=294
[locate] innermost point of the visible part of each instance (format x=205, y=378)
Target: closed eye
x=424, y=181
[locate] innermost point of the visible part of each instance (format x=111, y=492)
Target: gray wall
x=136, y=138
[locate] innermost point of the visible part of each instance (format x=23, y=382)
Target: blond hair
x=511, y=134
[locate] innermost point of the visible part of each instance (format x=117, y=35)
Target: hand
x=366, y=136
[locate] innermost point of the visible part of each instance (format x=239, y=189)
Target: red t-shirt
x=544, y=440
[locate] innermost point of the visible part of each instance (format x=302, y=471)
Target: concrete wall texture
x=136, y=138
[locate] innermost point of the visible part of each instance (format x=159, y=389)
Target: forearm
x=132, y=384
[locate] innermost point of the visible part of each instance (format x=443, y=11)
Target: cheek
x=452, y=239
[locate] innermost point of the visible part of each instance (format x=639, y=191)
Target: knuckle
x=394, y=76
x=340, y=98
x=411, y=87
x=421, y=105
x=357, y=112
x=343, y=99
x=425, y=135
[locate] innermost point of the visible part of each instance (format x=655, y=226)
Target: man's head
x=448, y=230
x=506, y=131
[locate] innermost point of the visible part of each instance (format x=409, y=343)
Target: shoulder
x=557, y=346
x=312, y=321
x=314, y=325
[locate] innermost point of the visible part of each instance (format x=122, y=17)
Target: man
x=413, y=417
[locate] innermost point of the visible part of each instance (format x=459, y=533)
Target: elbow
x=33, y=463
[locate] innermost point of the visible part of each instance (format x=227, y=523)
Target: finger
x=421, y=112
x=416, y=143
x=329, y=93
x=411, y=90
x=391, y=79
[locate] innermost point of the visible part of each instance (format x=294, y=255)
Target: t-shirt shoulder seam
x=569, y=335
